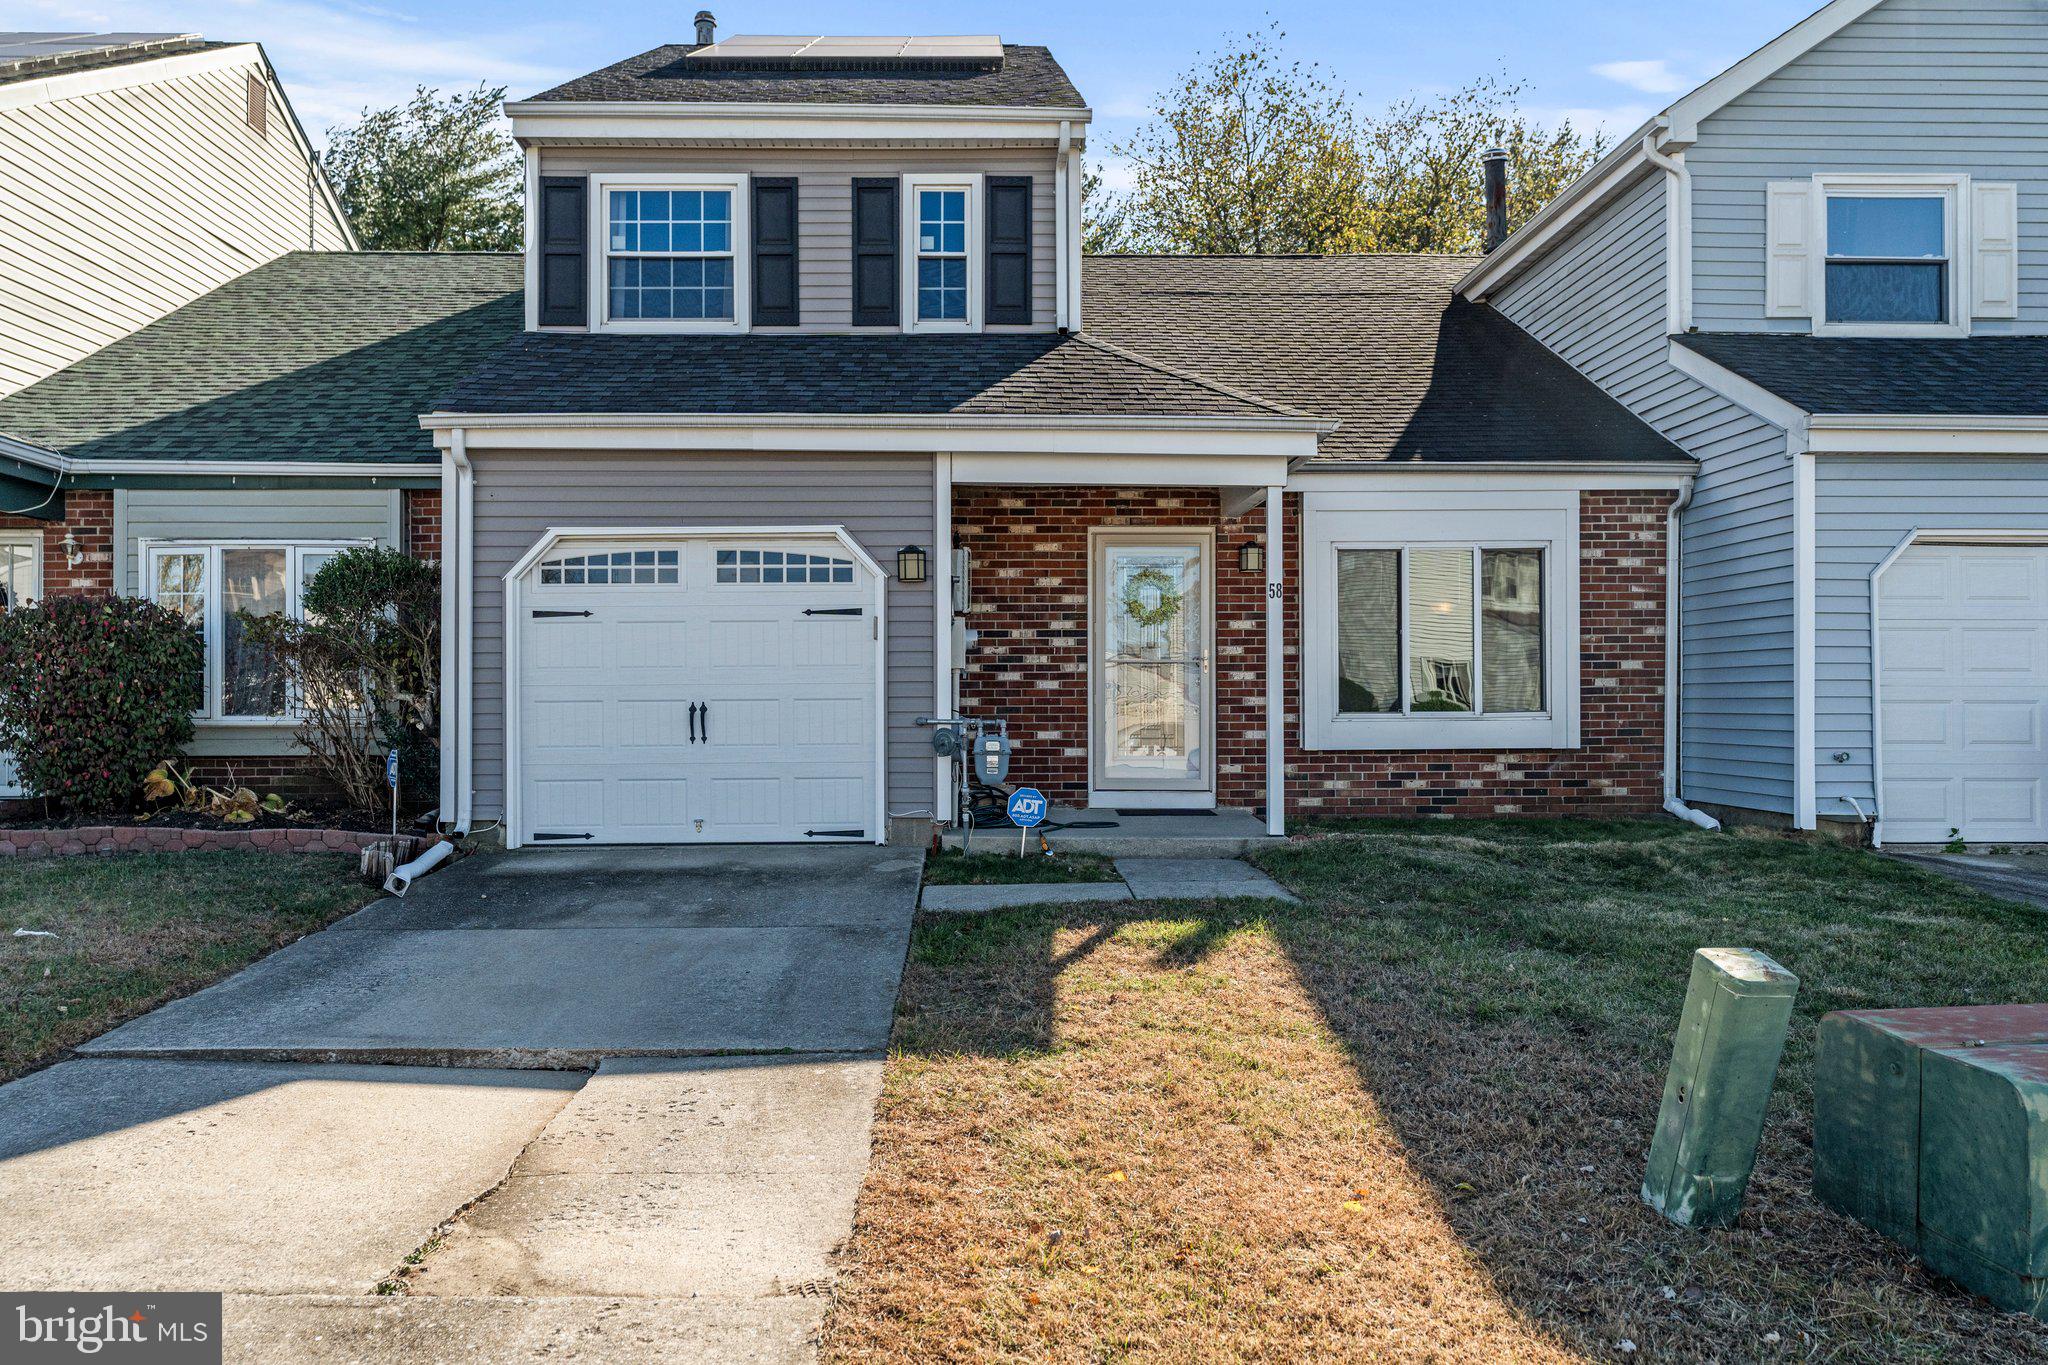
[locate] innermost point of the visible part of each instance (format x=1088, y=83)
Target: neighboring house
x=212, y=459
x=1822, y=275
x=804, y=317
x=138, y=171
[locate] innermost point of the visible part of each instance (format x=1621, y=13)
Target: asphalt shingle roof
x=1996, y=376
x=1027, y=78
x=1013, y=374
x=1379, y=343
x=314, y=356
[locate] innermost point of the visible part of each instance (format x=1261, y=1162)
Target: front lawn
x=137, y=929
x=1407, y=1119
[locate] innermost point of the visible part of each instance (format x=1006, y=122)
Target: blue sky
x=1601, y=62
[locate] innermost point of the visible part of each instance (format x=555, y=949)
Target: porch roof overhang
x=1204, y=451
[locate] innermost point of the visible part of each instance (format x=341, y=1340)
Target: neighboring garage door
x=691, y=690
x=1963, y=660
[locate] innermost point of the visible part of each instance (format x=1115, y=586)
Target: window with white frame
x=942, y=277
x=211, y=586
x=1438, y=628
x=1889, y=257
x=674, y=252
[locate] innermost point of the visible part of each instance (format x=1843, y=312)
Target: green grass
x=1463, y=1032
x=951, y=868
x=1591, y=927
x=134, y=930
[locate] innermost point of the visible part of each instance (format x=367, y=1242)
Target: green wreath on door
x=1159, y=613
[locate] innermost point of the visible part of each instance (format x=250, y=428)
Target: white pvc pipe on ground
x=401, y=879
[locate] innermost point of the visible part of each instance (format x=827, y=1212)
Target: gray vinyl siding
x=211, y=515
x=825, y=204
x=884, y=501
x=1864, y=507
x=123, y=205
x=1913, y=86
x=278, y=514
x=1598, y=301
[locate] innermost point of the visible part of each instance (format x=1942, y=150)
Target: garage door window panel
x=782, y=566
x=613, y=568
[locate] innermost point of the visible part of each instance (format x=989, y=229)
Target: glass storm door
x=1152, y=666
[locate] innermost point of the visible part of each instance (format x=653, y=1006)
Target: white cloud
x=337, y=57
x=1615, y=120
x=1653, y=77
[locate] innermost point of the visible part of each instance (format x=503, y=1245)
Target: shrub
x=94, y=692
x=364, y=669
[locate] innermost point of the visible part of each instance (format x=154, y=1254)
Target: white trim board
x=583, y=122
x=555, y=536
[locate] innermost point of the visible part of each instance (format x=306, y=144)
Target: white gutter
x=485, y=421
x=792, y=112
x=1674, y=664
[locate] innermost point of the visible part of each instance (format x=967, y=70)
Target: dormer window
x=942, y=274
x=673, y=257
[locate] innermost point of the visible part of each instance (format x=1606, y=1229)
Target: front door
x=20, y=581
x=1153, y=701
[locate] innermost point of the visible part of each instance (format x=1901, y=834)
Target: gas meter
x=992, y=758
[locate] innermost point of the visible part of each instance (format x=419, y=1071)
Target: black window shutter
x=775, y=289
x=875, y=245
x=1009, y=248
x=564, y=246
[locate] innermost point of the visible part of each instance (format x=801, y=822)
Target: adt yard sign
x=1027, y=807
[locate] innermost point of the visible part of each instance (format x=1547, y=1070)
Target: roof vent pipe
x=707, y=28
x=1494, y=166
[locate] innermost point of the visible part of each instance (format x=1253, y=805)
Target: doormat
x=1121, y=811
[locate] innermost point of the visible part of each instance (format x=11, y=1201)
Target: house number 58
x=1275, y=591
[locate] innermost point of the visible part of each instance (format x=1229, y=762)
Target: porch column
x=1276, y=661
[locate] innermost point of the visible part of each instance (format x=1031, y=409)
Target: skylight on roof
x=823, y=48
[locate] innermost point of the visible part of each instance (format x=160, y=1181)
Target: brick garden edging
x=99, y=839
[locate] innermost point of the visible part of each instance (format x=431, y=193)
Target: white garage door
x=685, y=691
x=1963, y=654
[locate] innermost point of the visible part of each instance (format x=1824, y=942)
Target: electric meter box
x=992, y=758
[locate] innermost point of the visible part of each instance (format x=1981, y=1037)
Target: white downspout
x=1674, y=611
x=942, y=626
x=450, y=671
x=1062, y=243
x=1074, y=238
x=465, y=622
x=1677, y=235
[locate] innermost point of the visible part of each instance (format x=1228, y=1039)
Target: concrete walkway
x=650, y=1204
x=1145, y=879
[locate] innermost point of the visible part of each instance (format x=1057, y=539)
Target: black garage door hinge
x=832, y=611
x=835, y=834
x=561, y=613
x=564, y=836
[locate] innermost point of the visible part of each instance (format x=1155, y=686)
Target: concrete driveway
x=499, y=1098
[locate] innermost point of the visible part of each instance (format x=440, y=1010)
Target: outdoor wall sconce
x=912, y=564
x=1251, y=557
x=73, y=554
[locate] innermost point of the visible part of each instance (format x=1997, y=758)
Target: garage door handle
x=832, y=611
x=705, y=719
x=693, y=722
x=561, y=613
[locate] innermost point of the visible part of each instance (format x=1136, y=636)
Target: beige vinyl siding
x=884, y=501
x=119, y=206
x=1597, y=299
x=1914, y=86
x=276, y=514
x=825, y=178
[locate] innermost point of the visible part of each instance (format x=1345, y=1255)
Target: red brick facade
x=89, y=517
x=1030, y=663
x=423, y=523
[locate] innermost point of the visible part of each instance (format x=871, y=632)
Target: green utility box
x=1931, y=1126
x=1867, y=1102
x=1736, y=1009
